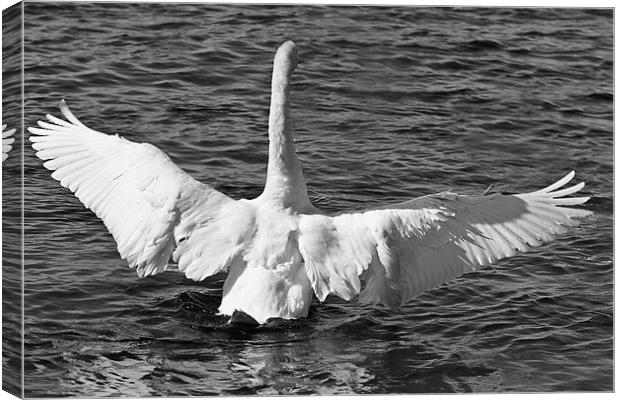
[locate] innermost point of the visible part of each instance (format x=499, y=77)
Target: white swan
x=7, y=141
x=278, y=248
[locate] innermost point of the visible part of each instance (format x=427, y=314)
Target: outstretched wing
x=7, y=141
x=149, y=204
x=402, y=250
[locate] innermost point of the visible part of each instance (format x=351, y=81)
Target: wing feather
x=149, y=205
x=422, y=243
x=7, y=141
x=58, y=122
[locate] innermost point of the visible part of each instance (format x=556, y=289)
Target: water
x=389, y=104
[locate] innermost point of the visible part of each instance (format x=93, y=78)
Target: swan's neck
x=285, y=181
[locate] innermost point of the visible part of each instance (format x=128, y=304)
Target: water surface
x=389, y=104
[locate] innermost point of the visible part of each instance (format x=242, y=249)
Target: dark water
x=389, y=104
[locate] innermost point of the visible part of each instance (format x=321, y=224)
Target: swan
x=278, y=248
x=7, y=141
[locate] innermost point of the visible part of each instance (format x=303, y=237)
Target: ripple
x=390, y=103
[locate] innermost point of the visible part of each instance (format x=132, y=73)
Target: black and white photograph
x=306, y=199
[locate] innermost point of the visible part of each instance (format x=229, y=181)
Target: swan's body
x=278, y=248
x=7, y=141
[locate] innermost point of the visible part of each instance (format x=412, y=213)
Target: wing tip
x=64, y=109
x=555, y=189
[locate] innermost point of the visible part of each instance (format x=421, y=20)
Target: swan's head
x=285, y=59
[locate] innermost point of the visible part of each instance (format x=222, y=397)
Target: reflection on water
x=390, y=103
